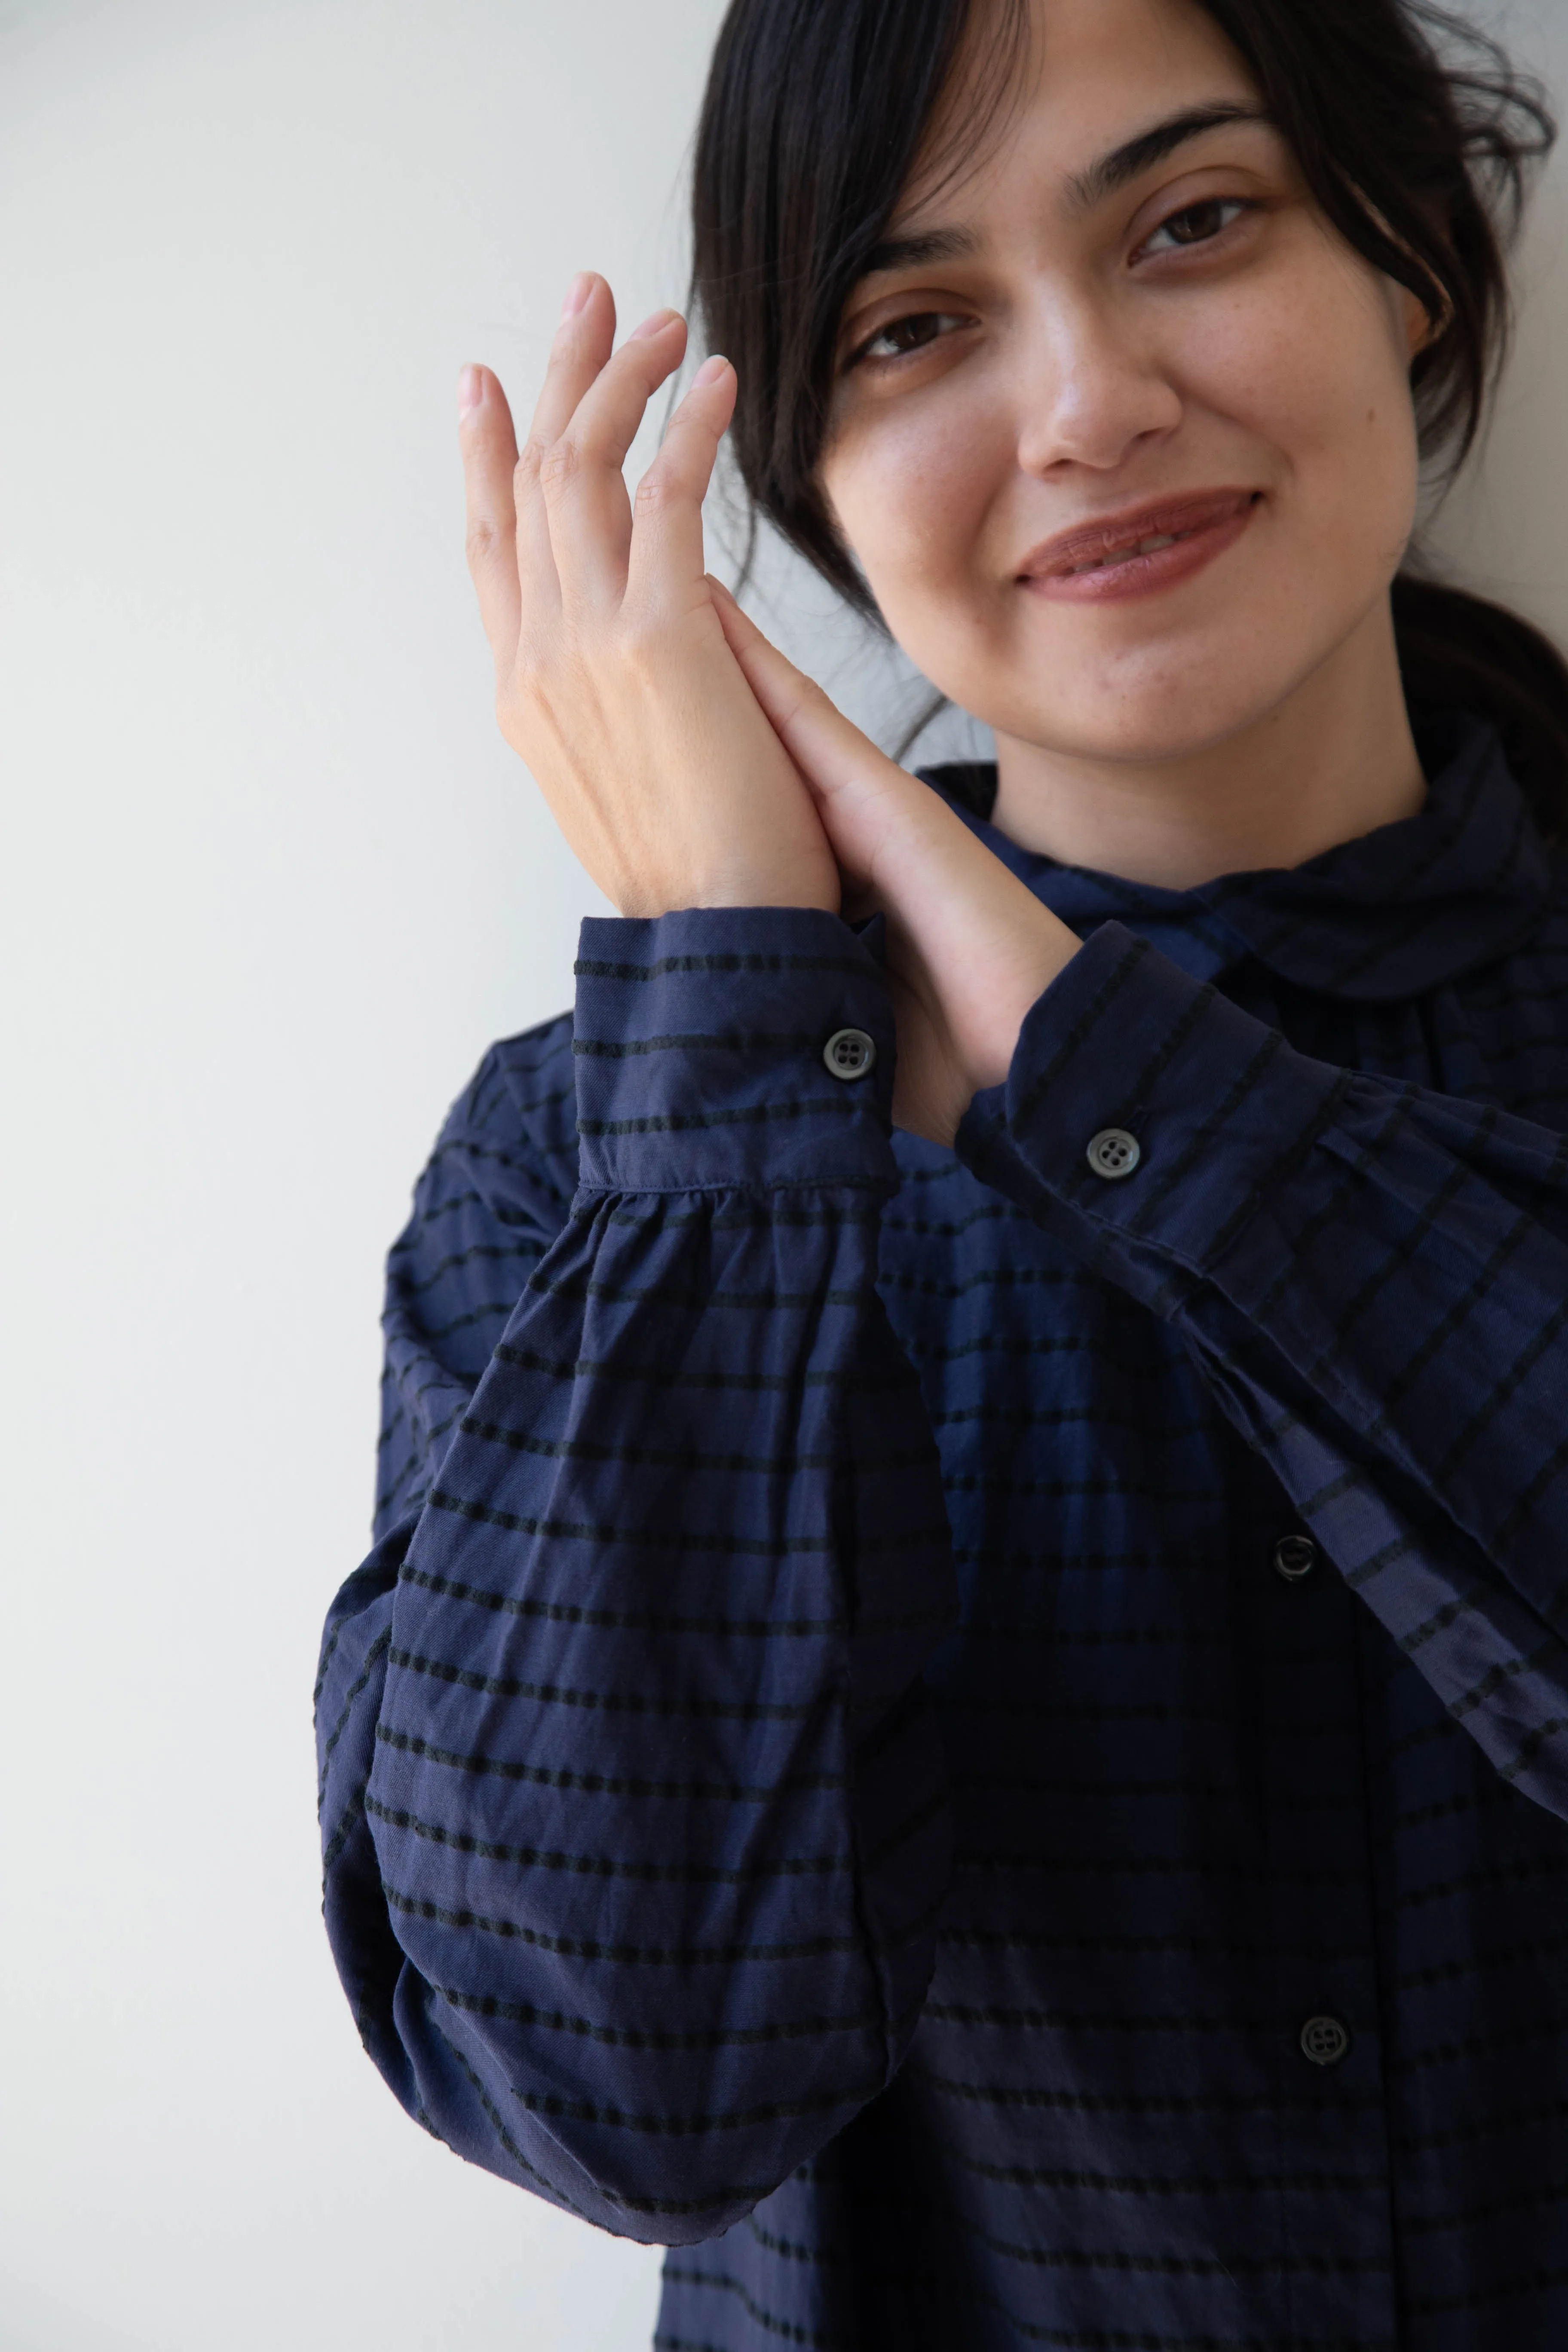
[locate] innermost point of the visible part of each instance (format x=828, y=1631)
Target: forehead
x=1081, y=79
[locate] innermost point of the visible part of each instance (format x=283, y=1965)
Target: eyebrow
x=1139, y=155
x=1102, y=178
x=914, y=252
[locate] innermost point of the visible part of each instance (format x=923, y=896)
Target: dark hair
x=1412, y=132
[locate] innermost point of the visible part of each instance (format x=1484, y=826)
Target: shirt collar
x=1397, y=912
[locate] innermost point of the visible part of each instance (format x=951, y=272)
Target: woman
x=969, y=1725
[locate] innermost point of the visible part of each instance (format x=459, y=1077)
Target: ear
x=1422, y=327
x=1416, y=322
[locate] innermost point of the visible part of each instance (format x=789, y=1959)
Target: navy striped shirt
x=976, y=1745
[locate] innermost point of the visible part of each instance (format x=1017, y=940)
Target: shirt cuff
x=1124, y=1049
x=700, y=1042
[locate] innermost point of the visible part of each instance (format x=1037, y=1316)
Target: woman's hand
x=969, y=947
x=614, y=679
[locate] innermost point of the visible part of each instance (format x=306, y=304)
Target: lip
x=1200, y=524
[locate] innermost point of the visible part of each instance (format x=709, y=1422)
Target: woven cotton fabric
x=822, y=1769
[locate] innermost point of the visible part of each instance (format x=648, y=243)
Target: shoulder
x=1543, y=955
x=523, y=1091
x=510, y=1137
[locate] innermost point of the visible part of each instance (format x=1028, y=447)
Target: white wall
x=270, y=884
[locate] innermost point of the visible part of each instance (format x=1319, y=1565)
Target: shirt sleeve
x=1374, y=1279
x=634, y=1813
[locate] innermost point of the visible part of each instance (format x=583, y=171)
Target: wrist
x=806, y=881
x=1039, y=955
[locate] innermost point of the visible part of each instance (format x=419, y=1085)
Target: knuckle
x=480, y=544
x=643, y=647
x=654, y=492
x=560, y=464
x=529, y=668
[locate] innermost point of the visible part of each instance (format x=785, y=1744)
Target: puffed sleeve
x=634, y=1811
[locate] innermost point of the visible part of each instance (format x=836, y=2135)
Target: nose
x=1090, y=389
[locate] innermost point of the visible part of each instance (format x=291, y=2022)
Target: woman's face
x=1128, y=329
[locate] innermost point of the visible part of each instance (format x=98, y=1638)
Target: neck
x=1335, y=760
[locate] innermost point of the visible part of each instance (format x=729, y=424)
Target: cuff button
x=850, y=1054
x=1114, y=1153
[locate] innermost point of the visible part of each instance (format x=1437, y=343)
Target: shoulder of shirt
x=518, y=1113
x=1550, y=935
x=522, y=1091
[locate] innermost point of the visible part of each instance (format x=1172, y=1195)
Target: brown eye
x=901, y=336
x=1197, y=224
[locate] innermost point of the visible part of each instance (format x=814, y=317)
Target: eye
x=1196, y=225
x=901, y=336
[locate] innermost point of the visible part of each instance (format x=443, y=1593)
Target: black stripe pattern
x=823, y=1769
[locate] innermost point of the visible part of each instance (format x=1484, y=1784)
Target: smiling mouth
x=1127, y=554
x=1120, y=542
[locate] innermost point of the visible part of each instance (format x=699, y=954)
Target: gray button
x=1294, y=1558
x=849, y=1053
x=1114, y=1153
x=1324, y=2040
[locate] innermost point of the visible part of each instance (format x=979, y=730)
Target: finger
x=584, y=340
x=840, y=756
x=489, y=449
x=584, y=485
x=940, y=886
x=667, y=526
x=869, y=804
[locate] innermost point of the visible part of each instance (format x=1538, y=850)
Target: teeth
x=1129, y=554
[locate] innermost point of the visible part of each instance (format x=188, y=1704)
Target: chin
x=1169, y=703
x=1138, y=728
x=1150, y=733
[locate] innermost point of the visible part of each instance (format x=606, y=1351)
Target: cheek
x=1318, y=374
x=911, y=495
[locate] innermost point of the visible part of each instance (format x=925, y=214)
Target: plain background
x=271, y=883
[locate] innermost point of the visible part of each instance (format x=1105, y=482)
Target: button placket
x=1325, y=2040
x=1294, y=1557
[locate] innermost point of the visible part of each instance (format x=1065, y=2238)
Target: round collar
x=1391, y=914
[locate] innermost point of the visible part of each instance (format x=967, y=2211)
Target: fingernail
x=654, y=326
x=577, y=293
x=710, y=369
x=470, y=390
